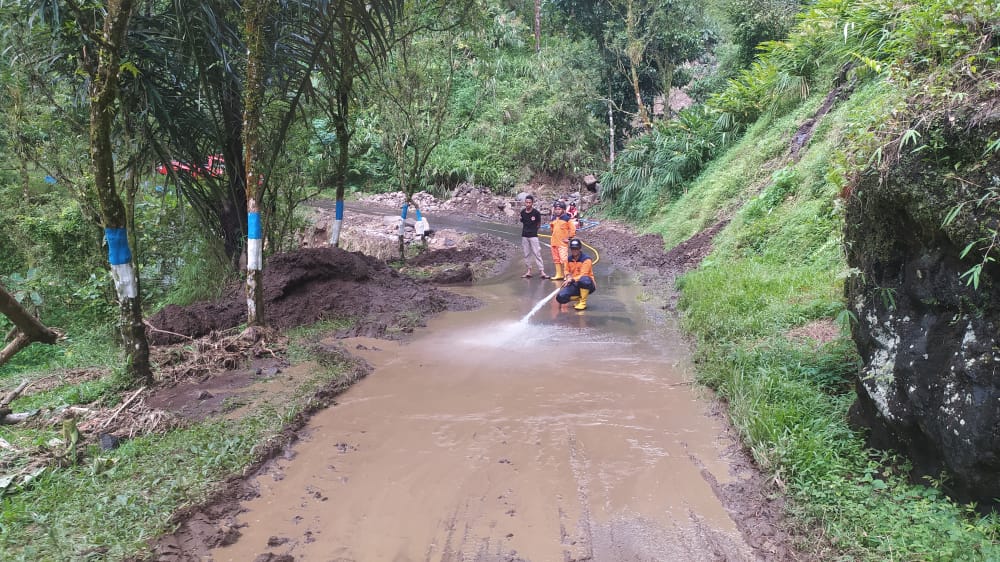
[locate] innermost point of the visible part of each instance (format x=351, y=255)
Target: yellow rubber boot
x=582, y=305
x=558, y=276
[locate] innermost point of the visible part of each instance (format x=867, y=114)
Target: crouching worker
x=579, y=277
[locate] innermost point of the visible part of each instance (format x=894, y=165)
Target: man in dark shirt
x=531, y=219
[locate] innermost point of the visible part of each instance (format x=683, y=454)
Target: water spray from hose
x=539, y=305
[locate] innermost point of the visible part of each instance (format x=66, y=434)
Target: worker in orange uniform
x=579, y=280
x=563, y=229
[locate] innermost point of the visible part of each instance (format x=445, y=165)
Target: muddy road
x=493, y=435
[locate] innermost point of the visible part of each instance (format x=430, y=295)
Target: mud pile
x=313, y=284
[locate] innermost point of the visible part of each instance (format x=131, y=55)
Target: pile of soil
x=312, y=284
x=477, y=257
x=645, y=255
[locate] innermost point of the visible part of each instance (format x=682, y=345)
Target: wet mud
x=494, y=436
x=518, y=431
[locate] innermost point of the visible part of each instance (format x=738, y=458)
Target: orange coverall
x=563, y=228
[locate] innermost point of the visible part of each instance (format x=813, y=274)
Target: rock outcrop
x=930, y=384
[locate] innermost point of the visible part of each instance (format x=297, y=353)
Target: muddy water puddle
x=495, y=436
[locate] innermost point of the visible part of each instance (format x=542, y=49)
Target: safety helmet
x=559, y=204
x=575, y=244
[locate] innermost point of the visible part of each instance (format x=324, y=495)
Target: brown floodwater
x=494, y=436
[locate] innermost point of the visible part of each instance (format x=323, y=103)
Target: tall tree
x=101, y=64
x=190, y=85
x=360, y=35
x=538, y=25
x=18, y=138
x=415, y=93
x=629, y=36
x=679, y=34
x=256, y=12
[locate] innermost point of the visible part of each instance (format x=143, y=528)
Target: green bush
x=655, y=168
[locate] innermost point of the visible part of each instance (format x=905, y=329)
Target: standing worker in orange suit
x=579, y=277
x=563, y=229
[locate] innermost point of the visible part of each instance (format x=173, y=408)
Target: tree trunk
x=611, y=132
x=402, y=230
x=25, y=181
x=233, y=204
x=103, y=94
x=666, y=71
x=255, y=13
x=17, y=118
x=344, y=132
x=538, y=26
x=643, y=114
x=28, y=328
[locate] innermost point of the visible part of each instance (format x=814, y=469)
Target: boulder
x=930, y=384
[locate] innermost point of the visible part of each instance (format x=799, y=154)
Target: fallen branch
x=17, y=418
x=12, y=395
x=29, y=328
x=155, y=329
x=122, y=407
x=5, y=411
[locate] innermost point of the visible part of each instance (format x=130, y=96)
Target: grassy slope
x=779, y=265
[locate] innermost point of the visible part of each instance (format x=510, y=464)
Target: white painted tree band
x=254, y=254
x=124, y=277
x=335, y=232
x=338, y=222
x=421, y=227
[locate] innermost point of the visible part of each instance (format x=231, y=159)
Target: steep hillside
x=856, y=270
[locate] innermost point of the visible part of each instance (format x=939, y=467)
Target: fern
x=656, y=167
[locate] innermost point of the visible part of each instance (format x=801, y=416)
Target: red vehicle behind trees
x=215, y=167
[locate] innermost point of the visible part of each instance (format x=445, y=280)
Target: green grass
x=731, y=177
x=68, y=512
x=80, y=348
x=779, y=264
x=109, y=505
x=84, y=392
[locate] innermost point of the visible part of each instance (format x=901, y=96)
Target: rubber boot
x=558, y=276
x=582, y=305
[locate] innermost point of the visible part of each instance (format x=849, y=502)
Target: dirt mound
x=312, y=284
x=645, y=255
x=474, y=249
x=646, y=252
